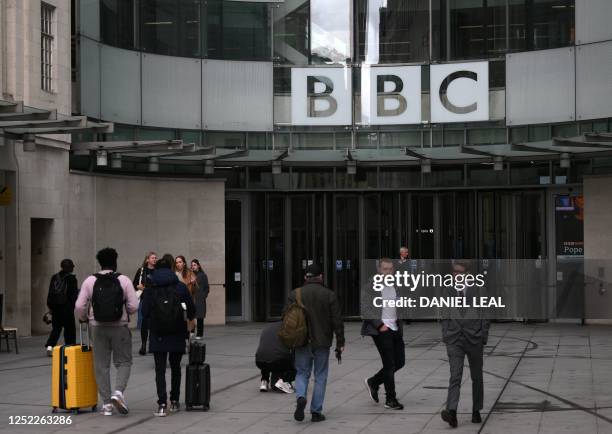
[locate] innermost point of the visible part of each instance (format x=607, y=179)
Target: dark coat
x=201, y=293
x=271, y=349
x=370, y=326
x=174, y=343
x=323, y=315
x=72, y=293
x=472, y=325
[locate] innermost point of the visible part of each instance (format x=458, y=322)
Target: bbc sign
x=390, y=95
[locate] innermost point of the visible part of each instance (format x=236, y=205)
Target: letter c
x=460, y=110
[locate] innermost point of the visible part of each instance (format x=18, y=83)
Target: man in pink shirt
x=106, y=300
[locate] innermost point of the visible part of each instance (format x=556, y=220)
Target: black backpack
x=107, y=299
x=58, y=291
x=167, y=314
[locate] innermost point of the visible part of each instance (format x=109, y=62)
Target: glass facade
x=304, y=32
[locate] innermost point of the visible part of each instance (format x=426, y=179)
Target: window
x=117, y=23
x=171, y=27
x=393, y=31
x=291, y=33
x=46, y=46
x=238, y=30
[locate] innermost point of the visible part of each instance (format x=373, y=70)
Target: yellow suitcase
x=73, y=382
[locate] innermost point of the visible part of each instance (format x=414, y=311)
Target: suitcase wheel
x=75, y=411
x=205, y=408
x=189, y=408
x=54, y=410
x=94, y=408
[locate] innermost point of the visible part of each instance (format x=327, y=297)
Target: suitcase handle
x=83, y=346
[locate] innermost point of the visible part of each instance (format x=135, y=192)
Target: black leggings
x=200, y=327
x=144, y=331
x=175, y=376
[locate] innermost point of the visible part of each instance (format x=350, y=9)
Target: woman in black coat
x=201, y=293
x=167, y=344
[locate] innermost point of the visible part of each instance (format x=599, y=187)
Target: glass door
x=237, y=242
x=346, y=253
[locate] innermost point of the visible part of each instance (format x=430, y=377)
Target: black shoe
x=372, y=390
x=450, y=417
x=143, y=350
x=476, y=417
x=174, y=406
x=393, y=404
x=299, y=409
x=317, y=417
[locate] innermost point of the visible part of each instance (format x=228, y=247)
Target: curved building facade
x=347, y=128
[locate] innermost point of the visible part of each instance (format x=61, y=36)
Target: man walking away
x=387, y=334
x=106, y=300
x=63, y=292
x=324, y=320
x=465, y=334
x=167, y=306
x=275, y=361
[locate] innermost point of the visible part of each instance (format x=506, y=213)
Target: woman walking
x=200, y=296
x=142, y=281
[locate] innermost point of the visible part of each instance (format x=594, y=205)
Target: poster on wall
x=569, y=225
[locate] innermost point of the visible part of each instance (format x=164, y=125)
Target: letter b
x=325, y=95
x=394, y=95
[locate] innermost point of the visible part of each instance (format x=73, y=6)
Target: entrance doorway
x=42, y=268
x=237, y=242
x=338, y=230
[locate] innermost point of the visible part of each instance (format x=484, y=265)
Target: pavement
x=539, y=378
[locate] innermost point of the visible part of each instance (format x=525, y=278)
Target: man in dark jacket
x=167, y=343
x=275, y=361
x=63, y=293
x=324, y=320
x=386, y=331
x=465, y=333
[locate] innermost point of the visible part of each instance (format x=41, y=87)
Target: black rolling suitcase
x=197, y=351
x=197, y=386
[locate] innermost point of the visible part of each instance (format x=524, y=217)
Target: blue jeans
x=305, y=357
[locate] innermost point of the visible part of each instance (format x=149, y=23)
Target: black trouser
x=200, y=327
x=390, y=345
x=272, y=371
x=62, y=318
x=457, y=351
x=144, y=331
x=175, y=376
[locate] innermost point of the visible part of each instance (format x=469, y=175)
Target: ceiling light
x=209, y=167
x=351, y=167
x=426, y=165
x=29, y=143
x=277, y=168
x=498, y=163
x=101, y=158
x=153, y=164
x=116, y=161
x=565, y=161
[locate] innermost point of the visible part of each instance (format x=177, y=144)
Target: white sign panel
x=390, y=95
x=459, y=92
x=321, y=96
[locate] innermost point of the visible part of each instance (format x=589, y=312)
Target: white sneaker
x=49, y=351
x=107, y=410
x=264, y=386
x=162, y=411
x=119, y=402
x=284, y=387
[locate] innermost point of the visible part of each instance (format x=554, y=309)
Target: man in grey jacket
x=465, y=333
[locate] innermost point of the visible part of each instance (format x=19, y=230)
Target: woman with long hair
x=142, y=281
x=200, y=296
x=184, y=274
